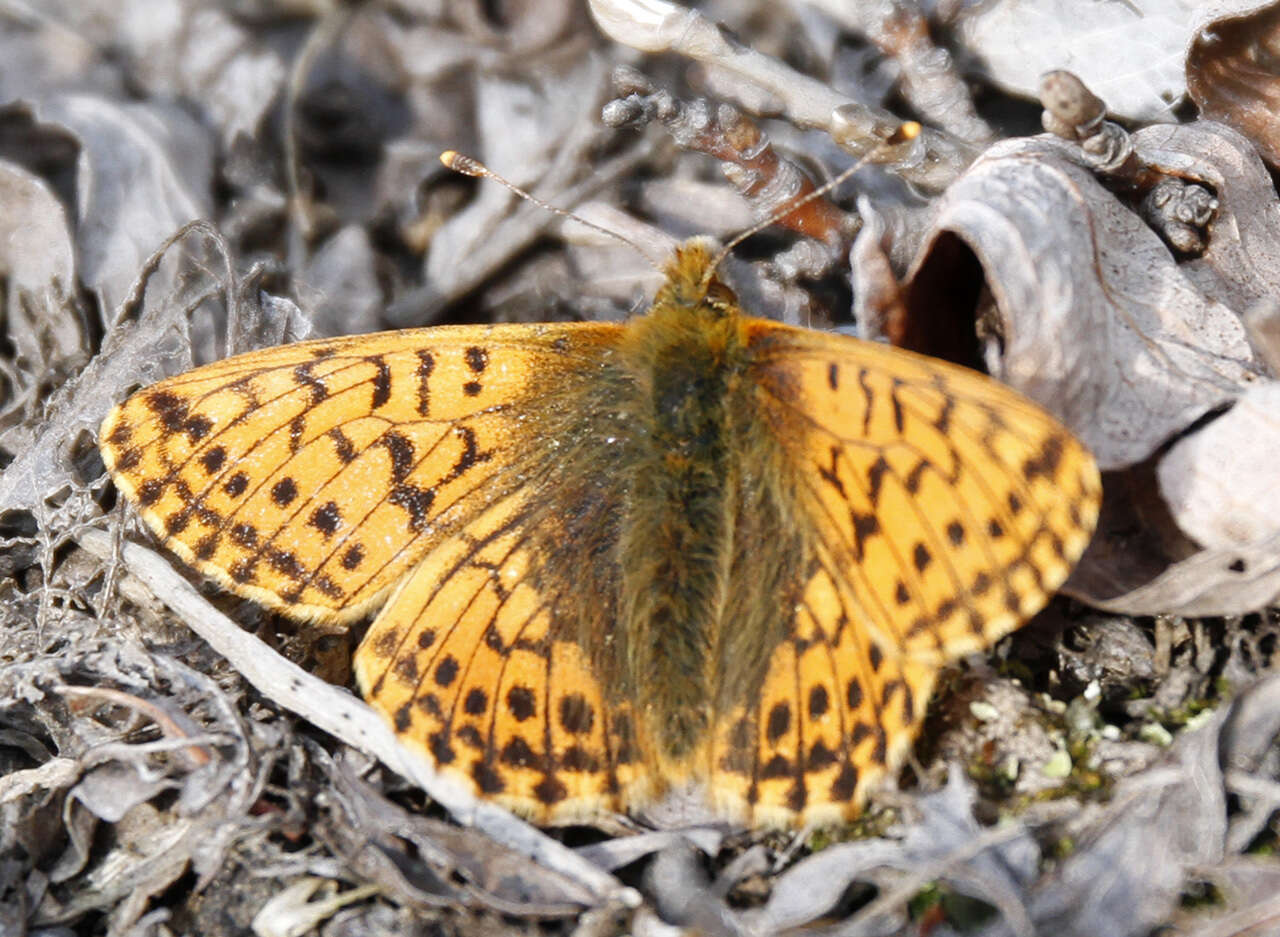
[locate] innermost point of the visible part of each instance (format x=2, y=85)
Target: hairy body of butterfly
x=697, y=548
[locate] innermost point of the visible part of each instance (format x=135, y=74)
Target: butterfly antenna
x=908, y=130
x=476, y=169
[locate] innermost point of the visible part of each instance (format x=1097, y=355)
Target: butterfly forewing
x=311, y=477
x=947, y=507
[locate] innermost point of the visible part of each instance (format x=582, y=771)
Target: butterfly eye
x=721, y=298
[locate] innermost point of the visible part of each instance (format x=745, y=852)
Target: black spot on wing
x=297, y=427
x=352, y=557
x=576, y=714
x=245, y=535
x=426, y=365
x=779, y=722
x=446, y=671
x=381, y=381
x=400, y=448
x=486, y=778
x=342, y=446
x=169, y=409
x=129, y=459
x=819, y=701
x=197, y=427
x=284, y=492
x=853, y=693
x=875, y=478
x=415, y=501
x=1046, y=462
x=236, y=485
x=120, y=434
x=213, y=458
x=550, y=791
x=304, y=376
x=521, y=703
x=326, y=518
x=845, y=784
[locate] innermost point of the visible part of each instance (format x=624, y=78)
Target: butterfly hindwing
x=833, y=714
x=467, y=660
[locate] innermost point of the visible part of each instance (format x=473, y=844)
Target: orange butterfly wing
x=470, y=660
x=942, y=510
x=312, y=477
x=318, y=478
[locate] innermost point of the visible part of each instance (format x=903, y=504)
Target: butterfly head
x=691, y=280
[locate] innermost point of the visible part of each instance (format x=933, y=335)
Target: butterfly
x=695, y=549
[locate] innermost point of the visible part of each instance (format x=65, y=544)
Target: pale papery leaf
x=1131, y=53
x=38, y=256
x=1219, y=482
x=142, y=174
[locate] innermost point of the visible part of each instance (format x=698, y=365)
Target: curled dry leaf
x=1094, y=317
x=1085, y=309
x=1240, y=266
x=1233, y=73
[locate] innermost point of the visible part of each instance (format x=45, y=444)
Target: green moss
x=962, y=912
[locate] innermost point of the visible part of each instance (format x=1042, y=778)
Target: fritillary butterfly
x=693, y=549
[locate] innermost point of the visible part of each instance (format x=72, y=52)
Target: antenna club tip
x=907, y=130
x=463, y=164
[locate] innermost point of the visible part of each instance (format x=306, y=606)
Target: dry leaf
x=38, y=258
x=1096, y=320
x=1130, y=53
x=1233, y=73
x=1089, y=313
